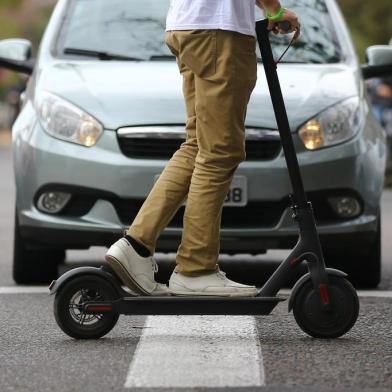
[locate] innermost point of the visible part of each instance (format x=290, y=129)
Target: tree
x=10, y=3
x=370, y=22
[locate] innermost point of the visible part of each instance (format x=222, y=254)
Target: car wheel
x=31, y=266
x=361, y=263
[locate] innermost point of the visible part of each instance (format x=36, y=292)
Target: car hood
x=122, y=94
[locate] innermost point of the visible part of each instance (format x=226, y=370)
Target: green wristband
x=277, y=16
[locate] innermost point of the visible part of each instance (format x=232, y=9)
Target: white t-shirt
x=234, y=15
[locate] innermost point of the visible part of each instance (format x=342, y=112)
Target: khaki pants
x=219, y=72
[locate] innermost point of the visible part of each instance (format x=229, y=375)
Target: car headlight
x=66, y=121
x=332, y=126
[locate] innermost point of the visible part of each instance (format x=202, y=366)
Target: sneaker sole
x=124, y=275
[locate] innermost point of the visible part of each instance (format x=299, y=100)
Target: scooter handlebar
x=285, y=25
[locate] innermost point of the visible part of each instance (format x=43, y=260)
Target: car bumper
x=90, y=230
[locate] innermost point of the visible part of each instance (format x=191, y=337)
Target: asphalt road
x=186, y=353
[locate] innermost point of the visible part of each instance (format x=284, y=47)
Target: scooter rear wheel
x=68, y=307
x=333, y=323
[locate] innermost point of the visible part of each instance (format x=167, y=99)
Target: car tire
x=32, y=266
x=361, y=263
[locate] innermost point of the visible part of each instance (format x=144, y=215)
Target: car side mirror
x=15, y=55
x=379, y=62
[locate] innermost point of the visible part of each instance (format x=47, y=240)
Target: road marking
x=24, y=290
x=375, y=293
x=197, y=351
x=284, y=292
x=361, y=293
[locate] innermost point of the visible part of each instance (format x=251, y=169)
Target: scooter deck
x=175, y=305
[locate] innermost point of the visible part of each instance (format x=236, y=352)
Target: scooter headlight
x=335, y=125
x=66, y=121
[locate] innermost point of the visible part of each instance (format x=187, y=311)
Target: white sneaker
x=214, y=284
x=135, y=271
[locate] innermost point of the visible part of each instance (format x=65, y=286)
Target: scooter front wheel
x=69, y=307
x=319, y=322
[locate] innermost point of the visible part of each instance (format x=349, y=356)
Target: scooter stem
x=308, y=246
x=280, y=112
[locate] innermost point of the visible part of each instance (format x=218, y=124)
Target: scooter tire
x=318, y=323
x=67, y=307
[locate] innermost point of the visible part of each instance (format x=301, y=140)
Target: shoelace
x=221, y=275
x=154, y=264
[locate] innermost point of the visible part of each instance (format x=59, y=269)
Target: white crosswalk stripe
x=197, y=351
x=24, y=290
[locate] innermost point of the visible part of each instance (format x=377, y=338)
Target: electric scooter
x=88, y=300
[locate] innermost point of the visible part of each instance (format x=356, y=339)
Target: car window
x=318, y=42
x=132, y=28
x=135, y=29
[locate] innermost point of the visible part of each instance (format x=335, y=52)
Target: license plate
x=238, y=192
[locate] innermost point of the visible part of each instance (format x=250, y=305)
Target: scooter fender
x=80, y=271
x=305, y=278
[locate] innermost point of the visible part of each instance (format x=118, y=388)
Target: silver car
x=103, y=112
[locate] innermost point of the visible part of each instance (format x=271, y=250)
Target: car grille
x=254, y=214
x=156, y=148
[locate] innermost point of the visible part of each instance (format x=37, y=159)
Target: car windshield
x=134, y=30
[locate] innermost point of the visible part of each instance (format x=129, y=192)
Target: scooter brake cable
x=288, y=47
